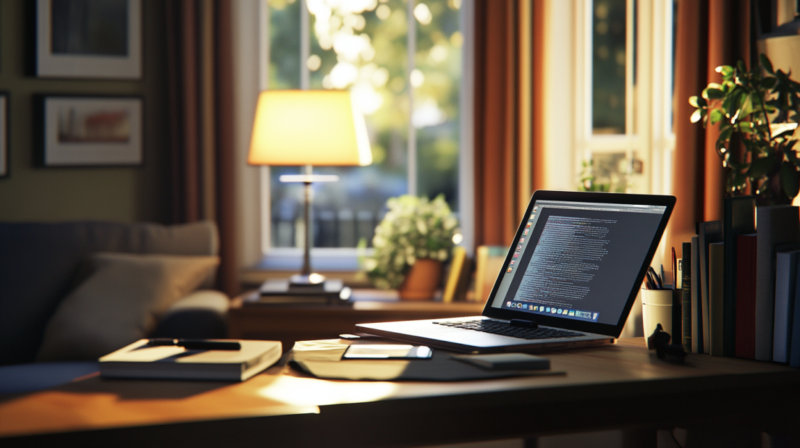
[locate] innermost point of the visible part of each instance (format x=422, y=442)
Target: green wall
x=58, y=194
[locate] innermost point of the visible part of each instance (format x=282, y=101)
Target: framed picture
x=4, y=157
x=89, y=39
x=88, y=130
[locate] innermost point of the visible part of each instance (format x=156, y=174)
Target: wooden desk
x=290, y=323
x=618, y=386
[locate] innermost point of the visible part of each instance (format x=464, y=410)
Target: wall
x=56, y=194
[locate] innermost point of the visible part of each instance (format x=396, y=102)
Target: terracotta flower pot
x=422, y=280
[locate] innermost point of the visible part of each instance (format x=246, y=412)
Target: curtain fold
x=199, y=51
x=508, y=54
x=709, y=33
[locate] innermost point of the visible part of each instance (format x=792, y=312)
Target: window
x=402, y=60
x=623, y=105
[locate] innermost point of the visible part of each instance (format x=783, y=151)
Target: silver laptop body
x=575, y=266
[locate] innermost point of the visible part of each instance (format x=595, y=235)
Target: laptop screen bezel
x=572, y=196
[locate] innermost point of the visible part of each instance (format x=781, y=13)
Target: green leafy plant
x=757, y=111
x=413, y=228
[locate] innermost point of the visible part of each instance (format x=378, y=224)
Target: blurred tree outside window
x=406, y=85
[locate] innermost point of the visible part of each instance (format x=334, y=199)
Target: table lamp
x=306, y=128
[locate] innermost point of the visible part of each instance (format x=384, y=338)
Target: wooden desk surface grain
x=617, y=386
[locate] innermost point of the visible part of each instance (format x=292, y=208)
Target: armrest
x=201, y=314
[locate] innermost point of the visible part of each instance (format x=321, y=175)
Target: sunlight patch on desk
x=308, y=392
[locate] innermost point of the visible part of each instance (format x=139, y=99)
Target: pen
x=195, y=344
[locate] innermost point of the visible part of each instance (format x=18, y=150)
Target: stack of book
x=740, y=292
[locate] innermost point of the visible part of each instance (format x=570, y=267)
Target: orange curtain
x=507, y=128
x=199, y=49
x=709, y=33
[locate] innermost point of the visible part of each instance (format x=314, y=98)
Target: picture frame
x=5, y=158
x=82, y=131
x=80, y=39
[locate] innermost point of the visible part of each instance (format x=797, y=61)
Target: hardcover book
x=775, y=225
x=739, y=219
x=746, y=296
x=686, y=295
x=785, y=284
x=140, y=360
x=707, y=232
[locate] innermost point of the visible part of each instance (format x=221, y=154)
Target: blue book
x=785, y=293
x=794, y=330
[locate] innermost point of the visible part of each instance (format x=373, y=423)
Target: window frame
x=345, y=260
x=649, y=101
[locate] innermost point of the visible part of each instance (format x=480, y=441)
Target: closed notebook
x=139, y=360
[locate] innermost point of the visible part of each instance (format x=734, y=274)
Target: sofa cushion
x=119, y=303
x=39, y=262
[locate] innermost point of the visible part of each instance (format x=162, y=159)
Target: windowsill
x=281, y=263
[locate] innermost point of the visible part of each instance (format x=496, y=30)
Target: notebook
x=569, y=279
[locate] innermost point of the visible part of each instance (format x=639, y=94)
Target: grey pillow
x=120, y=302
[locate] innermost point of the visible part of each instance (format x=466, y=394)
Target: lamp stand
x=307, y=278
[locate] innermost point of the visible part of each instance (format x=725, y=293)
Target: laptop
x=569, y=279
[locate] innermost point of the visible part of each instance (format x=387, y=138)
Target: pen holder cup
x=657, y=309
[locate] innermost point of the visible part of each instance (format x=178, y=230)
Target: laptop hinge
x=523, y=323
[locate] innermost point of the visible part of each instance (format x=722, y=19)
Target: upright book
x=716, y=330
x=794, y=345
x=739, y=219
x=141, y=360
x=775, y=225
x=697, y=310
x=746, y=296
x=707, y=232
x=785, y=284
x=686, y=295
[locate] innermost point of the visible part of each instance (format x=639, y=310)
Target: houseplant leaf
x=790, y=179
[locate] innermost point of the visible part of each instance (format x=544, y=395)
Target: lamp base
x=307, y=280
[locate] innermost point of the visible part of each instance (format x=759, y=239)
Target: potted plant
x=411, y=242
x=758, y=111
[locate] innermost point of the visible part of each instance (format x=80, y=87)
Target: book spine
x=739, y=219
x=794, y=345
x=697, y=310
x=746, y=296
x=775, y=225
x=716, y=272
x=785, y=281
x=686, y=295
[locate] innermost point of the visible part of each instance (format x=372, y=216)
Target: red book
x=746, y=296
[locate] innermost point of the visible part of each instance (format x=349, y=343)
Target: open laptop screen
x=578, y=260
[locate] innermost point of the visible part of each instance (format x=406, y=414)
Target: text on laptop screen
x=577, y=260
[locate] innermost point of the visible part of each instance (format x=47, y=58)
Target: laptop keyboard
x=504, y=329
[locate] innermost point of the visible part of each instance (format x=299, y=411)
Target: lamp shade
x=308, y=127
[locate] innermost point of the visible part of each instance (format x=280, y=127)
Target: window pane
x=608, y=66
x=284, y=38
x=436, y=80
x=362, y=47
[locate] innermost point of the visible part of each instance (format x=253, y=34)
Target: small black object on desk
x=659, y=341
x=194, y=344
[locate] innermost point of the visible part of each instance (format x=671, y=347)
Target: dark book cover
x=739, y=219
x=746, y=296
x=794, y=330
x=775, y=225
x=686, y=295
x=697, y=310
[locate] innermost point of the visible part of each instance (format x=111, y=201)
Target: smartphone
x=387, y=351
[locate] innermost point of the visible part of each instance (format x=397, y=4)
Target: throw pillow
x=119, y=303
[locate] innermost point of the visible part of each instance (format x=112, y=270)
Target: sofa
x=71, y=292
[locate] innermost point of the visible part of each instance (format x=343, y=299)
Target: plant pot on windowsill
x=422, y=280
